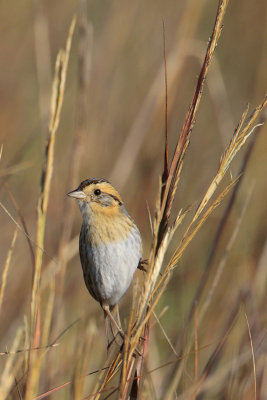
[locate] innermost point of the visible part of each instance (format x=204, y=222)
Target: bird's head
x=97, y=195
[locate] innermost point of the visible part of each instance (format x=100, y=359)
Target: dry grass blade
x=48, y=315
x=183, y=141
x=52, y=344
x=42, y=47
x=125, y=355
x=196, y=349
x=49, y=392
x=228, y=327
x=23, y=222
x=6, y=267
x=253, y=358
x=157, y=289
x=10, y=368
x=111, y=370
x=7, y=352
x=222, y=263
x=58, y=90
x=84, y=347
x=213, y=359
x=154, y=290
x=156, y=261
x=221, y=227
x=166, y=155
x=238, y=140
x=220, y=269
x=22, y=230
x=55, y=389
x=165, y=334
x=13, y=169
x=189, y=236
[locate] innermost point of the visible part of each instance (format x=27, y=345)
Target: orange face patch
x=104, y=187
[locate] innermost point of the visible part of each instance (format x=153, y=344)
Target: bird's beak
x=77, y=194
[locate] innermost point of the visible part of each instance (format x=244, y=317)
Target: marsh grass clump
x=57, y=347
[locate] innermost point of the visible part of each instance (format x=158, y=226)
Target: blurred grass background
x=117, y=112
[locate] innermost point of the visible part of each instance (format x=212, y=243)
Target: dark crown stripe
x=91, y=181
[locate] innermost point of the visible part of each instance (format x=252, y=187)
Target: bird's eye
x=97, y=192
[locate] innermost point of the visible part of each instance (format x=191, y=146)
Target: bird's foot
x=142, y=264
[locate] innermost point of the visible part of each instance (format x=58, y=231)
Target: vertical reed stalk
x=58, y=89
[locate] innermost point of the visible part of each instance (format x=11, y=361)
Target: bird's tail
x=114, y=339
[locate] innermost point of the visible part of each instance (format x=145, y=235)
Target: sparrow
x=110, y=243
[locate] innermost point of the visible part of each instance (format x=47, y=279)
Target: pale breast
x=109, y=266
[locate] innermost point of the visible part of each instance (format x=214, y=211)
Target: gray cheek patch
x=105, y=200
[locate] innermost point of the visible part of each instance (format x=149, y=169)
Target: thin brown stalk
x=175, y=361
x=46, y=348
x=157, y=291
x=7, y=353
x=141, y=328
x=55, y=389
x=23, y=231
x=165, y=333
x=216, y=354
x=22, y=220
x=184, y=244
x=18, y=390
x=58, y=90
x=154, y=99
x=21, y=228
x=253, y=358
x=43, y=60
x=183, y=141
x=10, y=367
x=165, y=172
x=213, y=359
x=238, y=140
x=13, y=169
x=220, y=268
x=241, y=134
x=110, y=367
x=166, y=155
x=189, y=236
x=85, y=342
x=125, y=355
x=225, y=256
x=131, y=386
x=156, y=262
x=196, y=347
x=6, y=268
